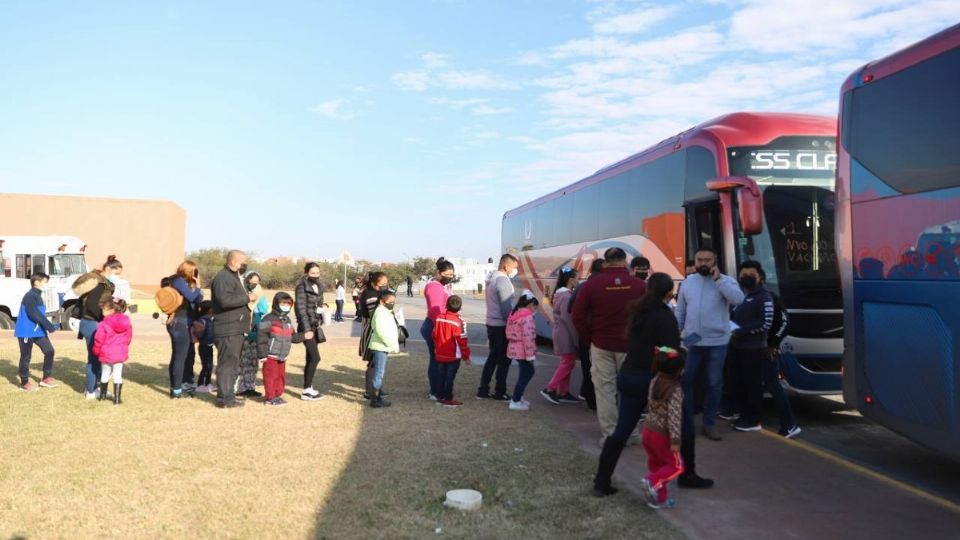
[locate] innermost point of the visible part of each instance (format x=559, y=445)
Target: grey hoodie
x=703, y=307
x=499, y=299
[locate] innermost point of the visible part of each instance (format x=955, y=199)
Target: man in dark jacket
x=600, y=311
x=587, y=393
x=231, y=318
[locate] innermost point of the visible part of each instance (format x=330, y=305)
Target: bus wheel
x=6, y=323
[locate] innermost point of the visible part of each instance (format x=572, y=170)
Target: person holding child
x=33, y=328
x=111, y=344
x=450, y=342
x=384, y=339
x=521, y=331
x=275, y=337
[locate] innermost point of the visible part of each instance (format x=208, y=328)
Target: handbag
x=319, y=335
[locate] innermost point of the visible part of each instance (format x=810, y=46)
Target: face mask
x=113, y=279
x=389, y=305
x=513, y=273
x=285, y=308
x=748, y=282
x=252, y=286
x=314, y=280
x=446, y=280
x=643, y=275
x=703, y=270
x=242, y=269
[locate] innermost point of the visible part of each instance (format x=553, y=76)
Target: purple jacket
x=565, y=339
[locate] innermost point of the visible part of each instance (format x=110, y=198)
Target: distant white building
x=471, y=273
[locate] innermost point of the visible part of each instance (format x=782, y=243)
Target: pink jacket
x=436, y=295
x=111, y=343
x=521, y=335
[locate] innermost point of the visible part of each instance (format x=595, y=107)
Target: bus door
x=704, y=230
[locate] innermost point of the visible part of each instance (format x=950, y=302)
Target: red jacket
x=600, y=311
x=450, y=332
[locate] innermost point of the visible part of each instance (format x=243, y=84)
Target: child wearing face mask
x=748, y=347
x=275, y=337
x=384, y=339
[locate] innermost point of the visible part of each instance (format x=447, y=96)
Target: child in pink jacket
x=111, y=344
x=522, y=345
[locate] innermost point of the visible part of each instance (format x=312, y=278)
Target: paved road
x=828, y=424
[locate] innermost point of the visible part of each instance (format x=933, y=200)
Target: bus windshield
x=67, y=265
x=796, y=247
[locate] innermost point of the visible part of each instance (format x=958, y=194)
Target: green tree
x=424, y=266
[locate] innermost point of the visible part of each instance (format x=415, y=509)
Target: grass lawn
x=154, y=467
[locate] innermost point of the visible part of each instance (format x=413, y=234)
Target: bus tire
x=6, y=322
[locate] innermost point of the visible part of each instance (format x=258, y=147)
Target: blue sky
x=395, y=129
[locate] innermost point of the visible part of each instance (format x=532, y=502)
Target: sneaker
x=431, y=397
x=649, y=492
x=792, y=432
x=728, y=416
x=712, y=433
x=189, y=387
x=519, y=406
x=282, y=401
x=275, y=402
x=525, y=402
x=91, y=395
x=669, y=503
x=581, y=397
x=309, y=394
x=603, y=492
x=49, y=382
x=250, y=393
x=693, y=481
x=28, y=387
x=746, y=426
x=234, y=404
x=206, y=389
x=450, y=403
x=483, y=394
x=501, y=397
x=569, y=398
x=550, y=396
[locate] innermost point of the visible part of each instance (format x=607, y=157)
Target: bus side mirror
x=749, y=200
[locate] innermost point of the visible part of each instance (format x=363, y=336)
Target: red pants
x=274, y=378
x=663, y=464
x=560, y=383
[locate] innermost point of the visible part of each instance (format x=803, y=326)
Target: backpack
x=168, y=301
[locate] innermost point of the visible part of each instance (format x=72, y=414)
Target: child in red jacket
x=450, y=342
x=111, y=344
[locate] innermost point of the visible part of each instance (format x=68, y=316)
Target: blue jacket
x=32, y=321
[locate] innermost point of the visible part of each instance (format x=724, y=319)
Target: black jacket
x=91, y=300
x=369, y=299
x=780, y=323
x=231, y=315
x=656, y=327
x=307, y=303
x=754, y=316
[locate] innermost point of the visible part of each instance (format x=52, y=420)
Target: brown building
x=147, y=236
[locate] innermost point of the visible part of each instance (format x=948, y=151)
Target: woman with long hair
x=187, y=282
x=309, y=300
x=652, y=324
x=94, y=289
x=376, y=283
x=436, y=294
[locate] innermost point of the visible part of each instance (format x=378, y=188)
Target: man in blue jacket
x=33, y=328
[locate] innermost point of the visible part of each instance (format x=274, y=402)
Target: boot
x=368, y=382
x=103, y=390
x=117, y=387
x=378, y=402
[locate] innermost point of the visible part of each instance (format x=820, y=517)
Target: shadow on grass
x=533, y=476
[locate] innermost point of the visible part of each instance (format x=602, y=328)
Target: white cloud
x=456, y=104
x=436, y=72
x=417, y=81
x=435, y=60
x=489, y=110
x=333, y=108
x=635, y=22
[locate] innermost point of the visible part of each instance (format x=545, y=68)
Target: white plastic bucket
x=464, y=499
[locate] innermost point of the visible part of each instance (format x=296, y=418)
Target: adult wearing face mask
x=436, y=294
x=640, y=267
x=94, y=289
x=249, y=357
x=703, y=312
x=309, y=296
x=231, y=318
x=499, y=297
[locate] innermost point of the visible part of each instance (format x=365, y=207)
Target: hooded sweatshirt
x=499, y=297
x=703, y=308
x=111, y=343
x=275, y=334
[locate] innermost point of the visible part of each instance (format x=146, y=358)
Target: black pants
x=189, y=363
x=179, y=331
x=228, y=365
x=633, y=387
x=497, y=362
x=747, y=381
x=313, y=360
x=586, y=384
x=206, y=365
x=338, y=316
x=26, y=354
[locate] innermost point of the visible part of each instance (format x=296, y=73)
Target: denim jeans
x=711, y=360
x=179, y=331
x=633, y=387
x=497, y=362
x=26, y=353
x=433, y=370
x=338, y=316
x=446, y=374
x=379, y=368
x=92, y=372
x=523, y=379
